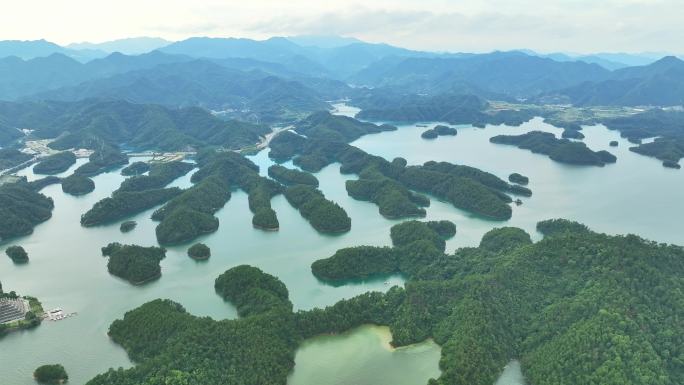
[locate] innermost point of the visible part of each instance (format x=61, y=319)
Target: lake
x=66, y=269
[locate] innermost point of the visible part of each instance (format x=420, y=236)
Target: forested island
x=21, y=209
x=560, y=150
x=439, y=130
x=55, y=164
x=288, y=176
x=507, y=298
x=667, y=150
x=416, y=245
x=51, y=374
x=160, y=174
x=127, y=226
x=465, y=187
x=30, y=319
x=135, y=168
x=136, y=264
x=125, y=204
x=199, y=252
x=39, y=184
x=518, y=179
x=17, y=254
x=77, y=185
x=324, y=215
x=103, y=159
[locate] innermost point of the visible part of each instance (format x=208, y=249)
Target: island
x=159, y=176
x=136, y=264
x=21, y=209
x=126, y=204
x=439, y=130
x=518, y=179
x=51, y=374
x=18, y=313
x=39, y=184
x=560, y=150
x=55, y=164
x=77, y=185
x=613, y=143
x=667, y=150
x=290, y=177
x=101, y=160
x=128, y=226
x=324, y=215
x=572, y=134
x=17, y=254
x=135, y=168
x=199, y=252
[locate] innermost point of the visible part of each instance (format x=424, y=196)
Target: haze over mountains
x=285, y=78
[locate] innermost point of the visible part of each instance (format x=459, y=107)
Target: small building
x=13, y=309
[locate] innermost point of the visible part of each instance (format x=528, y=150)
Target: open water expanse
x=66, y=269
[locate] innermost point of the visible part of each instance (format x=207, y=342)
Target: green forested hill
x=577, y=307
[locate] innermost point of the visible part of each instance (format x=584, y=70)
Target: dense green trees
x=560, y=150
x=324, y=215
x=136, y=264
x=55, y=164
x=199, y=251
x=393, y=199
x=572, y=134
x=439, y=130
x=77, y=185
x=10, y=157
x=21, y=209
x=518, y=179
x=51, y=374
x=159, y=176
x=17, y=254
x=416, y=245
x=124, y=204
x=252, y=291
x=191, y=213
x=288, y=176
x=103, y=159
x=128, y=226
x=39, y=184
x=135, y=168
x=668, y=150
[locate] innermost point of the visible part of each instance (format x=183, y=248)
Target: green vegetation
x=135, y=168
x=39, y=184
x=125, y=204
x=252, y=291
x=21, y=209
x=547, y=303
x=128, y=226
x=668, y=150
x=10, y=157
x=77, y=185
x=518, y=179
x=134, y=263
x=416, y=245
x=199, y=251
x=102, y=160
x=613, y=143
x=51, y=374
x=439, y=130
x=159, y=176
x=393, y=199
x=55, y=164
x=325, y=216
x=560, y=150
x=572, y=134
x=17, y=254
x=288, y=176
x=191, y=213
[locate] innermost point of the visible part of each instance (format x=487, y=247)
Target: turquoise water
x=66, y=269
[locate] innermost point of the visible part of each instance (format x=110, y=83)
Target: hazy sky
x=453, y=25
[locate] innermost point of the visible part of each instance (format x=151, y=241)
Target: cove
x=363, y=356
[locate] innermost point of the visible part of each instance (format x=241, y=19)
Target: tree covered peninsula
x=545, y=303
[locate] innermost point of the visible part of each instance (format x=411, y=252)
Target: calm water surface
x=66, y=269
